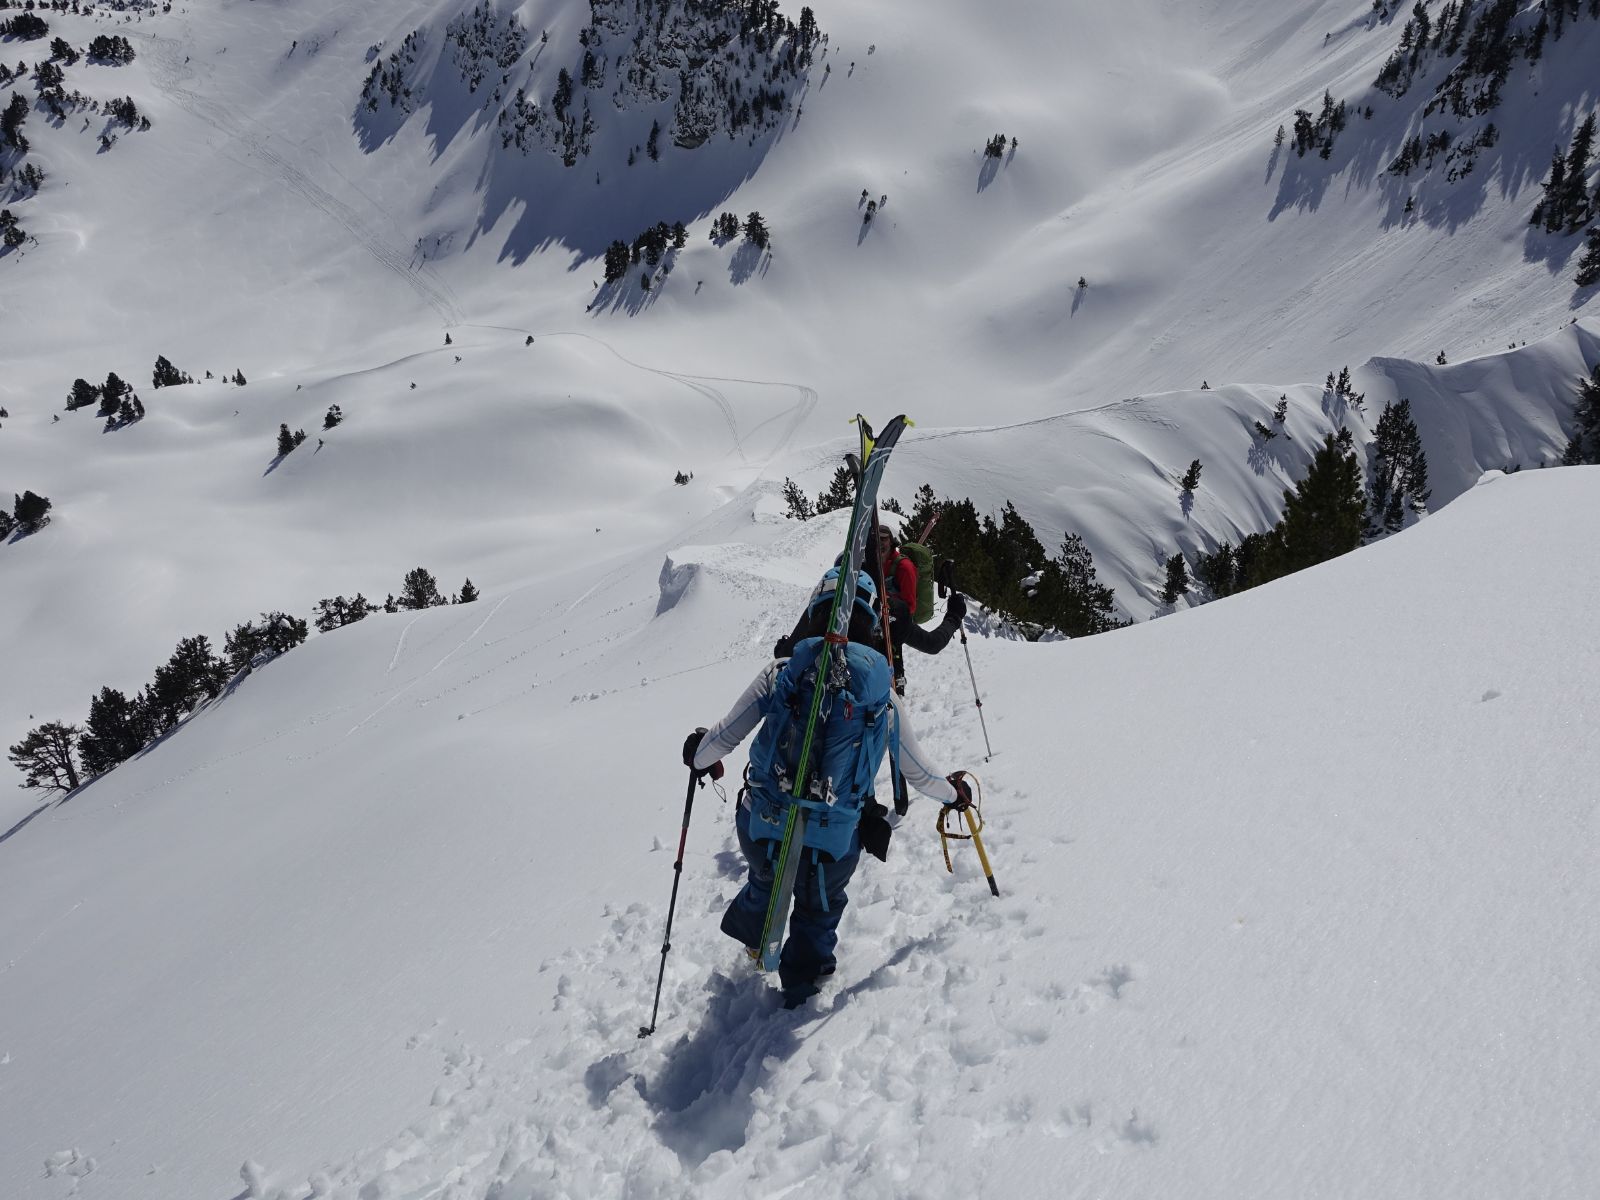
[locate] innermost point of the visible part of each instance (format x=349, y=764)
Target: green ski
x=874, y=457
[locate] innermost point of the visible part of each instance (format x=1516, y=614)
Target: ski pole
x=973, y=815
x=677, y=874
x=977, y=699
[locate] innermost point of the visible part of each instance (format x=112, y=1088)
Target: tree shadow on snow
x=748, y=260
x=20, y=825
x=988, y=171
x=1262, y=453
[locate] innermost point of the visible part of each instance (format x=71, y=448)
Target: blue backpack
x=852, y=733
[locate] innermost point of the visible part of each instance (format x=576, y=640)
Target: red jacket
x=901, y=573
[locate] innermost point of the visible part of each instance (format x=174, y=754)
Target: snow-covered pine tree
x=1177, y=582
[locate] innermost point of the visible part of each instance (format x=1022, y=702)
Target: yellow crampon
x=974, y=824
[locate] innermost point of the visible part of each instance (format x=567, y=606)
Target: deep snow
x=1291, y=901
x=1292, y=885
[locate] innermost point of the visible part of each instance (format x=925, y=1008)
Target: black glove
x=963, y=800
x=691, y=746
x=955, y=611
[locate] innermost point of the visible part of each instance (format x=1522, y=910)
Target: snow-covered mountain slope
x=267, y=222
x=1288, y=881
x=270, y=222
x=1289, y=896
x=512, y=462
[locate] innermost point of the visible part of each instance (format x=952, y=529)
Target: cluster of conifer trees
x=58, y=756
x=648, y=246
x=119, y=726
x=1584, y=448
x=29, y=513
x=1000, y=563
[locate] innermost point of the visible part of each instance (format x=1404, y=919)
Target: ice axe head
x=945, y=576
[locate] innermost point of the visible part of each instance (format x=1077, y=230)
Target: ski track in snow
x=246, y=142
x=702, y=384
x=451, y=653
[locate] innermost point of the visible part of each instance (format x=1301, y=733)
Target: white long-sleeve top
x=724, y=737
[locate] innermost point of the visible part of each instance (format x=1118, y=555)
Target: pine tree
x=333, y=418
x=337, y=612
x=1585, y=444
x=617, y=261
x=468, y=593
x=82, y=395
x=286, y=442
x=420, y=590
x=45, y=757
x=755, y=230
x=113, y=733
x=1071, y=597
x=7, y=524
x=1016, y=557
x=841, y=492
x=281, y=632
x=242, y=645
x=1215, y=571
x=1589, y=264
x=30, y=512
x=1322, y=517
x=1549, y=211
x=1191, y=479
x=1177, y=583
x=1399, y=467
x=799, y=507
x=563, y=94
x=1575, y=199
x=165, y=374
x=924, y=509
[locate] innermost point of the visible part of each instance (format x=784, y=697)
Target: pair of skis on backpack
x=808, y=791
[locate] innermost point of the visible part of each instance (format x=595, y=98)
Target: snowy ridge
x=486, y=470
x=450, y=965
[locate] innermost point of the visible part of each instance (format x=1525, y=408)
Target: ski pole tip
x=645, y=1031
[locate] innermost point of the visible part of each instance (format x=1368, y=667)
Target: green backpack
x=922, y=558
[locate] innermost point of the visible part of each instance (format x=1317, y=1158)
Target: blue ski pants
x=819, y=902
